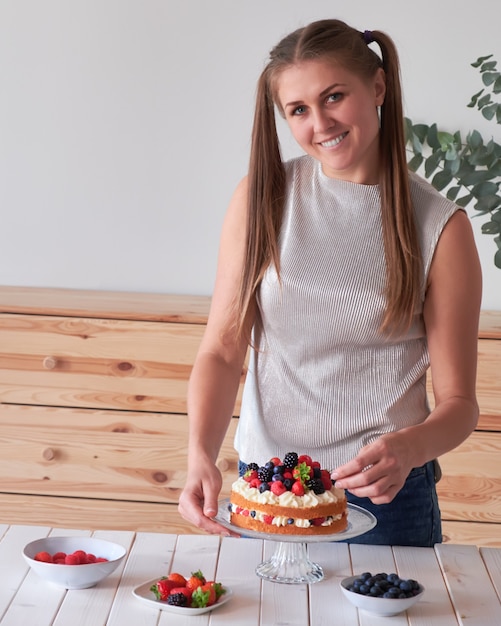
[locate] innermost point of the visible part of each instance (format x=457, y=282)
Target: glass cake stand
x=290, y=562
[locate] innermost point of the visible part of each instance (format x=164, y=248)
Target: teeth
x=334, y=142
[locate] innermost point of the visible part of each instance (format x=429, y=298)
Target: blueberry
x=384, y=585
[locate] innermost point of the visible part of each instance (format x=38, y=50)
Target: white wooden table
x=463, y=583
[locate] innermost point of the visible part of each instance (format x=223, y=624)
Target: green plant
x=466, y=171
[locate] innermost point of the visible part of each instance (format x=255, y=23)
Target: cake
x=290, y=497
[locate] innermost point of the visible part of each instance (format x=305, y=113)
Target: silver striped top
x=322, y=379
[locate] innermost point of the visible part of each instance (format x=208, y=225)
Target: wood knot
x=139, y=398
x=49, y=454
x=125, y=366
x=160, y=477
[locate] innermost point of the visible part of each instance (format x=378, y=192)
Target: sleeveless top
x=322, y=379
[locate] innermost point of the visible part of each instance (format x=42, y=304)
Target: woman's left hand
x=379, y=470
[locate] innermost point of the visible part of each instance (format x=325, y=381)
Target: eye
x=300, y=110
x=334, y=97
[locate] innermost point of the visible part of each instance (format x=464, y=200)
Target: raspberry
x=72, y=559
x=278, y=488
x=43, y=556
x=297, y=488
x=326, y=479
x=268, y=519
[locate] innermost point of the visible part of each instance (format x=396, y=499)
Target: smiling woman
x=335, y=268
x=333, y=115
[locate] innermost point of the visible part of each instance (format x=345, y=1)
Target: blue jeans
x=412, y=518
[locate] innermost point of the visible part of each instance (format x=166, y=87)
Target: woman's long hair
x=334, y=40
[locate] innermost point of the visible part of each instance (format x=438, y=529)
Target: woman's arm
x=216, y=373
x=451, y=314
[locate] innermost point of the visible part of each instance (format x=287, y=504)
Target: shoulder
x=427, y=199
x=432, y=210
x=300, y=166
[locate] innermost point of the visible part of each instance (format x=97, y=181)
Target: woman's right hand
x=198, y=502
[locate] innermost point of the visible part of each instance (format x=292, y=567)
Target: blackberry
x=316, y=472
x=253, y=466
x=177, y=599
x=316, y=485
x=264, y=474
x=290, y=460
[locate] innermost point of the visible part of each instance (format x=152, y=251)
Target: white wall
x=124, y=125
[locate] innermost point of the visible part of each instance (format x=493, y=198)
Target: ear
x=379, y=87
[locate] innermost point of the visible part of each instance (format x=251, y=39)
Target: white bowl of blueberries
x=382, y=594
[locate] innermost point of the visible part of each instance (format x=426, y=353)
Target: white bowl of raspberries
x=382, y=594
x=73, y=562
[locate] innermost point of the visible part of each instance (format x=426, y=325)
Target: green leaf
x=480, y=60
x=441, y=180
x=490, y=77
x=490, y=228
x=475, y=178
x=452, y=192
x=488, y=67
x=497, y=259
x=486, y=204
x=474, y=98
x=484, y=101
x=489, y=111
x=464, y=201
x=485, y=188
x=474, y=139
x=432, y=137
x=416, y=162
x=497, y=86
x=432, y=162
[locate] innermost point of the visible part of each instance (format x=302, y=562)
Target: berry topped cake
x=291, y=497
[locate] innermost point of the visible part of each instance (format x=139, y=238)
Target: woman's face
x=332, y=114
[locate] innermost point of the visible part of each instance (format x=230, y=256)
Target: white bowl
x=74, y=576
x=384, y=607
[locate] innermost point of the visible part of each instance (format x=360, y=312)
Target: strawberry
x=250, y=475
x=318, y=521
x=197, y=579
x=298, y=488
x=204, y=595
x=162, y=588
x=276, y=461
x=179, y=579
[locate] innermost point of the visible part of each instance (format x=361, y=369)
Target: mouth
x=333, y=142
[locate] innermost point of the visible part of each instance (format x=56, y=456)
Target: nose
x=321, y=120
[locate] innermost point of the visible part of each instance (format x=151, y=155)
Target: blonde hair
x=334, y=40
